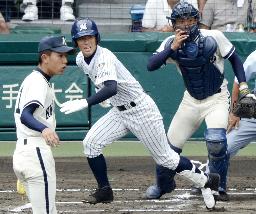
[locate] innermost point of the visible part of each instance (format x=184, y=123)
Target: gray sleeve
x=208, y=13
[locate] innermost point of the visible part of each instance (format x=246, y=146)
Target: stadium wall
x=18, y=56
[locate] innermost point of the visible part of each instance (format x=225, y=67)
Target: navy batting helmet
x=183, y=10
x=84, y=27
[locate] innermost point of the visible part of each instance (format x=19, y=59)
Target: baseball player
x=199, y=56
x=133, y=110
x=241, y=132
x=33, y=162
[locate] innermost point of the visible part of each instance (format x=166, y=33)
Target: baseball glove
x=245, y=107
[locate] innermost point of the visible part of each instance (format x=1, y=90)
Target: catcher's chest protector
x=202, y=78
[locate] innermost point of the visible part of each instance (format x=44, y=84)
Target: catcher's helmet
x=84, y=27
x=183, y=10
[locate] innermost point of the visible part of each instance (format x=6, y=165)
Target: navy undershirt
x=27, y=117
x=157, y=60
x=88, y=59
x=237, y=66
x=109, y=90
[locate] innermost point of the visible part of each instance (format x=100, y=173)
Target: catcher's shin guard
x=216, y=143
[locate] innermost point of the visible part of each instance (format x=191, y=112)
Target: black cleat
x=213, y=181
x=195, y=191
x=222, y=196
x=101, y=195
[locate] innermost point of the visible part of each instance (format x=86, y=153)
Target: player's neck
x=44, y=72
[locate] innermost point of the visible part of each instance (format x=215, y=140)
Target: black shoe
x=222, y=196
x=213, y=181
x=195, y=191
x=101, y=195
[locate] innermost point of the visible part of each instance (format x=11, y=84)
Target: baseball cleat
x=221, y=196
x=209, y=199
x=211, y=184
x=155, y=192
x=101, y=195
x=195, y=191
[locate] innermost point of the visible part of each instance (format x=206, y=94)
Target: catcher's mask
x=184, y=10
x=84, y=27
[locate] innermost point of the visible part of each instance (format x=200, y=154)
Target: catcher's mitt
x=245, y=108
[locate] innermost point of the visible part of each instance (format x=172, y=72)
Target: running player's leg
x=184, y=123
x=107, y=129
x=150, y=131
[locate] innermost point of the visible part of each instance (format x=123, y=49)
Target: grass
x=122, y=148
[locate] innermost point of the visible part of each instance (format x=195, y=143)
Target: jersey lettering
x=49, y=112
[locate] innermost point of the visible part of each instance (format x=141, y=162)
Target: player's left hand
x=73, y=106
x=51, y=137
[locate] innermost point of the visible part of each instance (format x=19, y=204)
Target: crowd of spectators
x=223, y=15
x=154, y=18
x=229, y=15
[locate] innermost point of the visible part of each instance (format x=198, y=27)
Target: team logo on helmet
x=83, y=27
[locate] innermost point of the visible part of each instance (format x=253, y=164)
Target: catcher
x=199, y=55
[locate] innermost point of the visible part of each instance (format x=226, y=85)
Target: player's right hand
x=233, y=122
x=180, y=37
x=50, y=137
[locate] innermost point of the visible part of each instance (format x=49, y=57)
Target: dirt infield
x=130, y=177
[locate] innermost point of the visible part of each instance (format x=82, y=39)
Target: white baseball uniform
x=133, y=110
x=33, y=162
x=214, y=109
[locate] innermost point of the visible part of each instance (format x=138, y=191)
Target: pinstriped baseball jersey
x=35, y=89
x=105, y=66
